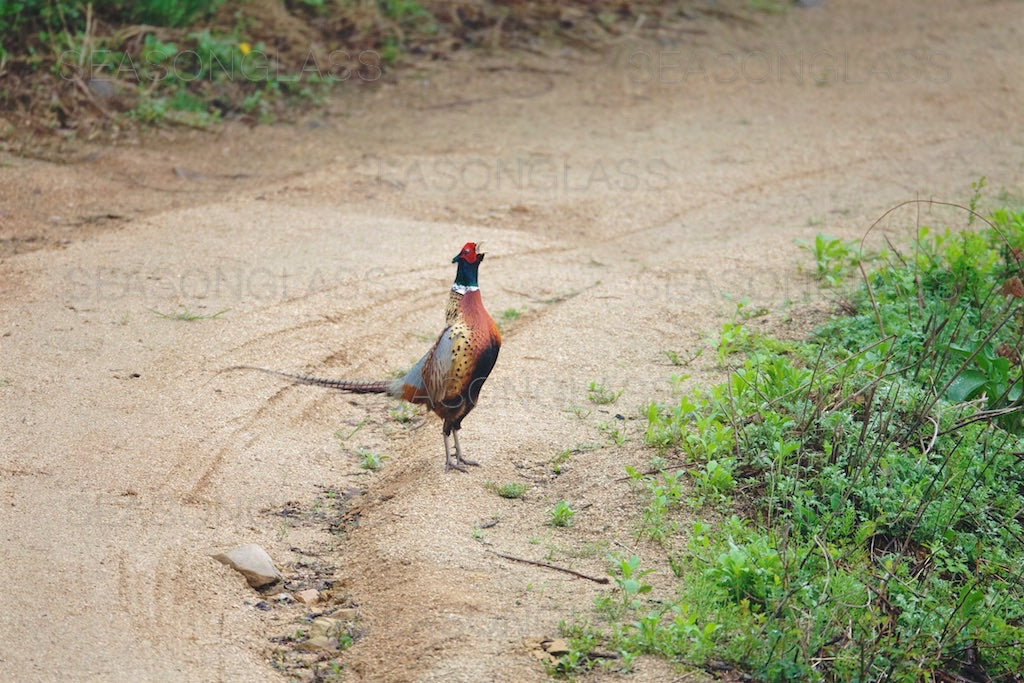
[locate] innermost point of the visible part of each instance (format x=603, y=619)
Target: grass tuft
x=561, y=514
x=511, y=490
x=189, y=316
x=369, y=459
x=601, y=395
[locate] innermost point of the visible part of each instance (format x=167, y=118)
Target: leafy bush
x=875, y=479
x=158, y=70
x=61, y=16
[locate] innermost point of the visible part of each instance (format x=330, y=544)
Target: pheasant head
x=469, y=263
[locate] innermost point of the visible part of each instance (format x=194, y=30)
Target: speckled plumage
x=448, y=378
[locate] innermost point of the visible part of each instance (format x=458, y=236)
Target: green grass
x=561, y=515
x=404, y=413
x=342, y=436
x=675, y=359
x=768, y=6
x=189, y=316
x=179, y=76
x=834, y=259
x=601, y=395
x=369, y=459
x=613, y=431
x=511, y=490
x=60, y=16
x=734, y=336
x=864, y=489
x=280, y=62
x=565, y=455
x=580, y=412
x=507, y=317
x=511, y=315
x=60, y=23
x=173, y=13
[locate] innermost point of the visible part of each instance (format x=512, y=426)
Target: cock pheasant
x=449, y=377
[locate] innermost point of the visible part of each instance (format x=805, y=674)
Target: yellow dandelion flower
x=244, y=48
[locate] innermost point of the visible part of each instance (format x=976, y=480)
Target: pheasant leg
x=448, y=463
x=458, y=454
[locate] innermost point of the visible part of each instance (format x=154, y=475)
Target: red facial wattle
x=468, y=253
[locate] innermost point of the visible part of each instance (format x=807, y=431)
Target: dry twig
x=595, y=579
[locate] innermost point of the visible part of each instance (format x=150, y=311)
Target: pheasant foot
x=459, y=463
x=458, y=454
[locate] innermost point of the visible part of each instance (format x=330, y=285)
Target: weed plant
x=600, y=394
x=561, y=514
x=872, y=485
x=512, y=490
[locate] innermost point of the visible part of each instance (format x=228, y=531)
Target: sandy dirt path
x=618, y=196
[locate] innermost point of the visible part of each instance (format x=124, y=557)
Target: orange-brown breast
x=475, y=341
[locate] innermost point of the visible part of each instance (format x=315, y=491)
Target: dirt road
x=618, y=195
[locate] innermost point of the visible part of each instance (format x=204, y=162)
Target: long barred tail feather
x=354, y=387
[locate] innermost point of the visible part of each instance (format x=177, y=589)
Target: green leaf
x=865, y=531
x=971, y=600
x=966, y=386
